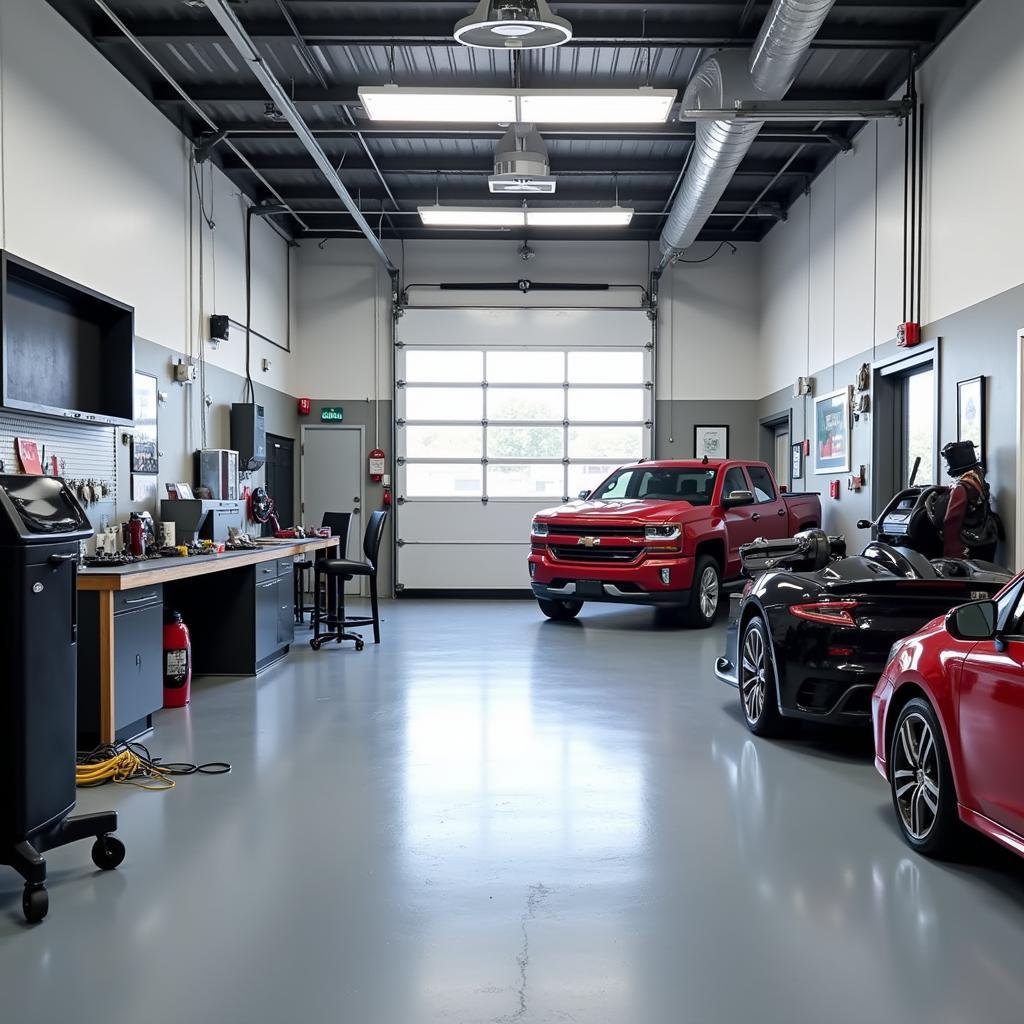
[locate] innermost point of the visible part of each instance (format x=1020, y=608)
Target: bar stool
x=334, y=572
x=302, y=566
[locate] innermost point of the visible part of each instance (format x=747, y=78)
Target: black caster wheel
x=107, y=852
x=360, y=645
x=315, y=644
x=35, y=902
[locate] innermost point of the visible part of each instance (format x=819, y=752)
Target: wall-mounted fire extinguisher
x=378, y=465
x=177, y=661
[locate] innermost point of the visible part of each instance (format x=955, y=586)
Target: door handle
x=755, y=517
x=140, y=600
x=781, y=512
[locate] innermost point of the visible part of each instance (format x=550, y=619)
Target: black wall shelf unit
x=66, y=351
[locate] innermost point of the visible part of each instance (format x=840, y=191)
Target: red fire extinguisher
x=177, y=662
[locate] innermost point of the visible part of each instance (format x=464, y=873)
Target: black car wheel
x=922, y=783
x=758, y=692
x=707, y=585
x=560, y=611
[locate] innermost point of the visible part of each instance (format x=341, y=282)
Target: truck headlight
x=670, y=531
x=539, y=529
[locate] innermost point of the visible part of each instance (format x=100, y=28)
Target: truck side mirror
x=583, y=495
x=737, y=498
x=864, y=524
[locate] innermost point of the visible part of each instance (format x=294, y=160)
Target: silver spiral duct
x=718, y=83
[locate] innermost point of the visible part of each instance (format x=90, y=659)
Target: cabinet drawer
x=143, y=597
x=266, y=571
x=285, y=566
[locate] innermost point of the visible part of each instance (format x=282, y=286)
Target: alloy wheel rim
x=915, y=764
x=709, y=592
x=753, y=681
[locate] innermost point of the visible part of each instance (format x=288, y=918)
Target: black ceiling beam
x=795, y=136
x=643, y=234
x=475, y=166
x=299, y=194
x=602, y=33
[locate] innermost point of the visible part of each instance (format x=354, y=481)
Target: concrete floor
x=491, y=818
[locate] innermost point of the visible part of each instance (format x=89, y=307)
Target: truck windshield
x=649, y=483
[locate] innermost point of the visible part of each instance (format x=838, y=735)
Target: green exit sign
x=332, y=414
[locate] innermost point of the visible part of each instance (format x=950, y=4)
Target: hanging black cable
x=906, y=196
x=914, y=185
x=919, y=117
x=251, y=391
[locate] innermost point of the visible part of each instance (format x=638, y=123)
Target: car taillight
x=834, y=613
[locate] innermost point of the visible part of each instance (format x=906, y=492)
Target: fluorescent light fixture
x=472, y=216
x=523, y=217
x=456, y=106
x=506, y=106
x=596, y=106
x=579, y=217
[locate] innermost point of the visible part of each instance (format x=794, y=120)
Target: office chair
x=336, y=571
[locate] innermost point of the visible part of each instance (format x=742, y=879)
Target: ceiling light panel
x=506, y=106
x=508, y=217
x=471, y=106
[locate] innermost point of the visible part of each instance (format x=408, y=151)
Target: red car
x=660, y=533
x=948, y=718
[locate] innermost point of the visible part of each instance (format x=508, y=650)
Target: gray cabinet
x=266, y=619
x=138, y=662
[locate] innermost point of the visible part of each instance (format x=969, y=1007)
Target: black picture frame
x=971, y=413
x=709, y=439
x=796, y=465
x=145, y=438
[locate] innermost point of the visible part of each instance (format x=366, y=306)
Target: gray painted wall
x=178, y=422
x=980, y=340
x=676, y=420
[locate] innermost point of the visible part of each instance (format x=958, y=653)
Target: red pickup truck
x=660, y=533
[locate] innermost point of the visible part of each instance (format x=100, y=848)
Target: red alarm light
x=305, y=406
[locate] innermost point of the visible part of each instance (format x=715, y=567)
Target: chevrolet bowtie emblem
x=589, y=542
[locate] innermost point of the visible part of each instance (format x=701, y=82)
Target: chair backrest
x=339, y=523
x=374, y=534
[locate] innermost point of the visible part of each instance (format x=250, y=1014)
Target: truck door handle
x=756, y=516
x=781, y=512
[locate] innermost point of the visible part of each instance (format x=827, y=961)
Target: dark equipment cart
x=41, y=526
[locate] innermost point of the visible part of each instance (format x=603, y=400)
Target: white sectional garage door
x=502, y=412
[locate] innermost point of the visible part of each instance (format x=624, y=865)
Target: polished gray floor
x=491, y=818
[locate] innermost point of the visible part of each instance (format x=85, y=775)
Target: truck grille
x=595, y=531
x=565, y=553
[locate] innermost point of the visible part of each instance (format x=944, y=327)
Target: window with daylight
x=512, y=423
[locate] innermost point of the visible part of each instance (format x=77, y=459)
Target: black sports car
x=809, y=637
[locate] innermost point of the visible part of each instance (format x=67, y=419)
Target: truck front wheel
x=707, y=584
x=560, y=611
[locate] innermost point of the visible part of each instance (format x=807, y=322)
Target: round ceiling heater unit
x=513, y=25
x=521, y=163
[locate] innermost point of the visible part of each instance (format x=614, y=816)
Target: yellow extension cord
x=127, y=768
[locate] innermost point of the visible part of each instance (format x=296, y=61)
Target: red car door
x=992, y=726
x=740, y=522
x=770, y=513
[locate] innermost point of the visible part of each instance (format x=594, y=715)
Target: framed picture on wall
x=145, y=455
x=711, y=441
x=832, y=432
x=796, y=466
x=970, y=413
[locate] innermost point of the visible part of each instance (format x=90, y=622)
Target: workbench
x=225, y=632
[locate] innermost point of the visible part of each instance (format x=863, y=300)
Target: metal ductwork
x=725, y=77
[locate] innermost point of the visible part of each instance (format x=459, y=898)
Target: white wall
x=709, y=312
x=96, y=187
x=851, y=252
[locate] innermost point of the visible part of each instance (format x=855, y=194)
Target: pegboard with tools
x=85, y=452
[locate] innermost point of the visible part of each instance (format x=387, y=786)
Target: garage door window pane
x=443, y=367
x=525, y=404
x=525, y=367
x=525, y=481
x=444, y=404
x=524, y=442
x=612, y=405
x=444, y=442
x=606, y=442
x=586, y=476
x=441, y=481
x=599, y=367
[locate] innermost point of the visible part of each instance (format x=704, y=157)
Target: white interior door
x=332, y=481
x=782, y=458
x=503, y=412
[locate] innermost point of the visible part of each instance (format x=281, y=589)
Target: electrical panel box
x=249, y=435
